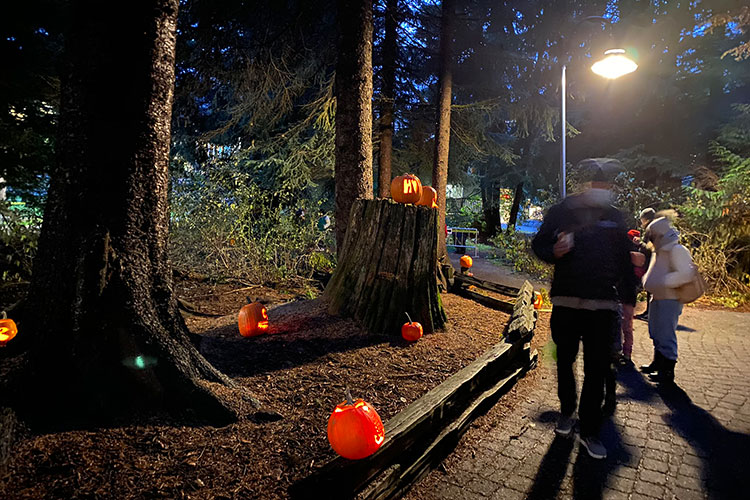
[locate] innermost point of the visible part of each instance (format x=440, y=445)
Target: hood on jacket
x=661, y=233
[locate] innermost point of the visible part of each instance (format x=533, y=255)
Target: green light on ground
x=139, y=362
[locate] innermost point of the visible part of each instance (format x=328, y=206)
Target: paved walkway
x=691, y=442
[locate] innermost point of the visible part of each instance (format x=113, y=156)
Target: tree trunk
x=490, y=205
x=388, y=267
x=443, y=125
x=353, y=169
x=107, y=337
x=390, y=54
x=516, y=206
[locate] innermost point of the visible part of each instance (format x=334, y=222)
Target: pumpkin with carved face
x=8, y=330
x=406, y=188
x=253, y=320
x=355, y=429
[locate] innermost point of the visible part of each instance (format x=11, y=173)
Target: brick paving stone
x=689, y=443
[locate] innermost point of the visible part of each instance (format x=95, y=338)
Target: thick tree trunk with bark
x=388, y=267
x=516, y=206
x=390, y=54
x=353, y=169
x=107, y=337
x=443, y=125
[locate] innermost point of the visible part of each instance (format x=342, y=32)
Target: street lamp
x=614, y=65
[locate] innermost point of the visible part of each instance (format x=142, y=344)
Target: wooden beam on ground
x=464, y=280
x=486, y=300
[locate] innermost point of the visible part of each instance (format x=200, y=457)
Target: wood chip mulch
x=299, y=370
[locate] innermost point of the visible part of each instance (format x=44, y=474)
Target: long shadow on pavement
x=590, y=476
x=723, y=452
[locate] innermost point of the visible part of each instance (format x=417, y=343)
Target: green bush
x=515, y=250
x=225, y=223
x=19, y=237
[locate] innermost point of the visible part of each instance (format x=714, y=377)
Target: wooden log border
x=425, y=432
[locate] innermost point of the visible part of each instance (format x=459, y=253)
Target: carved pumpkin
x=538, y=300
x=355, y=430
x=429, y=197
x=8, y=330
x=253, y=320
x=411, y=332
x=466, y=262
x=406, y=188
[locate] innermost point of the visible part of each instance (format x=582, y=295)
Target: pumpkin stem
x=349, y=399
x=249, y=300
x=408, y=317
x=4, y=315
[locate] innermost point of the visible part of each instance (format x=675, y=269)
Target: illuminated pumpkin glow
x=429, y=197
x=466, y=262
x=8, y=330
x=355, y=429
x=538, y=300
x=253, y=320
x=406, y=188
x=411, y=331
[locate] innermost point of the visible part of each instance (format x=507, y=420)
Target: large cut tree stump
x=388, y=267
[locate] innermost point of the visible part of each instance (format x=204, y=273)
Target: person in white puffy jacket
x=671, y=266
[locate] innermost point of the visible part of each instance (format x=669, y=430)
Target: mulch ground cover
x=300, y=370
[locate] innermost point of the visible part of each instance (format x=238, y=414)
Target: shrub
x=515, y=250
x=19, y=236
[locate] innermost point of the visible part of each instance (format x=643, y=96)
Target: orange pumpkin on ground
x=411, y=331
x=466, y=262
x=538, y=300
x=355, y=430
x=253, y=320
x=429, y=197
x=8, y=330
x=406, y=188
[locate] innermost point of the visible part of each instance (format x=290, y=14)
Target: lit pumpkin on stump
x=253, y=320
x=8, y=330
x=429, y=197
x=411, y=331
x=355, y=430
x=406, y=188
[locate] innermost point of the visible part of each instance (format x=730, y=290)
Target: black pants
x=595, y=329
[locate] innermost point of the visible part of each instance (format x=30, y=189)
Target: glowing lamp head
x=614, y=65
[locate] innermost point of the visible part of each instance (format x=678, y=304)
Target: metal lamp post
x=614, y=65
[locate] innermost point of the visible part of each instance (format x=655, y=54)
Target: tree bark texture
x=353, y=169
x=516, y=206
x=388, y=267
x=490, y=205
x=390, y=54
x=443, y=122
x=107, y=337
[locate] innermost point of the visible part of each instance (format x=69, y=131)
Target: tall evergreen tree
x=390, y=56
x=107, y=337
x=353, y=170
x=443, y=119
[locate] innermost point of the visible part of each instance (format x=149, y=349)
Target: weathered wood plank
x=464, y=280
x=497, y=304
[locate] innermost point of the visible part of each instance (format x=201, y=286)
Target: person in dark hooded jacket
x=586, y=239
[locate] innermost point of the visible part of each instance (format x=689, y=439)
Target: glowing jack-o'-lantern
x=429, y=197
x=253, y=320
x=538, y=300
x=411, y=331
x=406, y=188
x=355, y=430
x=466, y=262
x=8, y=330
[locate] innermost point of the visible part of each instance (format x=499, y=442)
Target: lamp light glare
x=615, y=65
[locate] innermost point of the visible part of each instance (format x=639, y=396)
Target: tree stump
x=388, y=267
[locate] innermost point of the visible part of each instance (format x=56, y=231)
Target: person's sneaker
x=624, y=362
x=595, y=447
x=565, y=425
